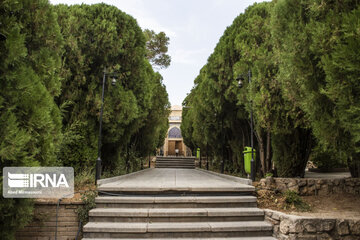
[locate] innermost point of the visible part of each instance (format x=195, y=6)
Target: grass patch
x=293, y=200
x=84, y=179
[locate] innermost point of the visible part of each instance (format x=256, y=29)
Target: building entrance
x=173, y=145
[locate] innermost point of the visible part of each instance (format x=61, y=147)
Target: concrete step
x=170, y=163
x=177, y=164
x=228, y=238
x=175, y=160
x=174, y=166
x=177, y=230
x=175, y=214
x=175, y=202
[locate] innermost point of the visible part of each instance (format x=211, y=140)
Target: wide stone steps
x=175, y=162
x=177, y=230
x=175, y=214
x=175, y=202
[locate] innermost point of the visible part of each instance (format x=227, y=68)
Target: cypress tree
x=29, y=118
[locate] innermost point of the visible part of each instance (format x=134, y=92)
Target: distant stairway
x=175, y=162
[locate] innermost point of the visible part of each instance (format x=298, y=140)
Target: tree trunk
x=354, y=165
x=261, y=151
x=268, y=151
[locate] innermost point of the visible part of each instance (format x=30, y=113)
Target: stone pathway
x=169, y=179
x=327, y=175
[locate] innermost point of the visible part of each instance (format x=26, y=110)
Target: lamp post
x=98, y=160
x=240, y=78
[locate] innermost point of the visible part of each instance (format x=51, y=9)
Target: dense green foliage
x=135, y=108
x=30, y=120
x=51, y=65
x=304, y=88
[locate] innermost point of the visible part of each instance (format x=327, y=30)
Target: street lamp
x=240, y=80
x=113, y=75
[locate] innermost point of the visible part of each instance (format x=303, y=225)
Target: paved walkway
x=169, y=179
x=327, y=175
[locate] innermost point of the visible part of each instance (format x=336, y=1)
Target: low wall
x=291, y=227
x=312, y=186
x=43, y=225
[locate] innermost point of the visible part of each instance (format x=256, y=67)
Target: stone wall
x=291, y=227
x=43, y=225
x=312, y=186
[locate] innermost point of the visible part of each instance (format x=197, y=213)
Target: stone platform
x=175, y=180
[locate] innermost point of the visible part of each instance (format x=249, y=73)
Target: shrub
x=88, y=199
x=292, y=198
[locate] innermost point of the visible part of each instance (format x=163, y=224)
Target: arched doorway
x=175, y=143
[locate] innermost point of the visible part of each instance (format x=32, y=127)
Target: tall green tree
x=303, y=91
x=307, y=37
x=29, y=117
x=156, y=48
x=107, y=38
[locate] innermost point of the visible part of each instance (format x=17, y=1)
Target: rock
x=294, y=188
x=276, y=216
x=282, y=236
x=296, y=227
x=342, y=227
x=310, y=182
x=327, y=225
x=324, y=190
x=292, y=237
x=355, y=227
x=303, y=191
x=269, y=181
x=268, y=213
x=349, y=238
x=302, y=182
x=272, y=221
x=276, y=229
x=262, y=183
x=350, y=182
x=284, y=226
x=312, y=190
x=306, y=237
x=291, y=182
x=324, y=236
x=281, y=187
x=310, y=228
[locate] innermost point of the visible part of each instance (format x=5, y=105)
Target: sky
x=193, y=26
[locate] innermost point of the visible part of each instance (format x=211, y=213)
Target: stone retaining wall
x=312, y=186
x=291, y=227
x=43, y=225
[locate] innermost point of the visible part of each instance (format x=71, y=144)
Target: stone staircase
x=207, y=213
x=175, y=162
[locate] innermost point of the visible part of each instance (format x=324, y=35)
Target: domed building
x=174, y=144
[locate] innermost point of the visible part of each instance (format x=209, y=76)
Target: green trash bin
x=247, y=159
x=198, y=152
